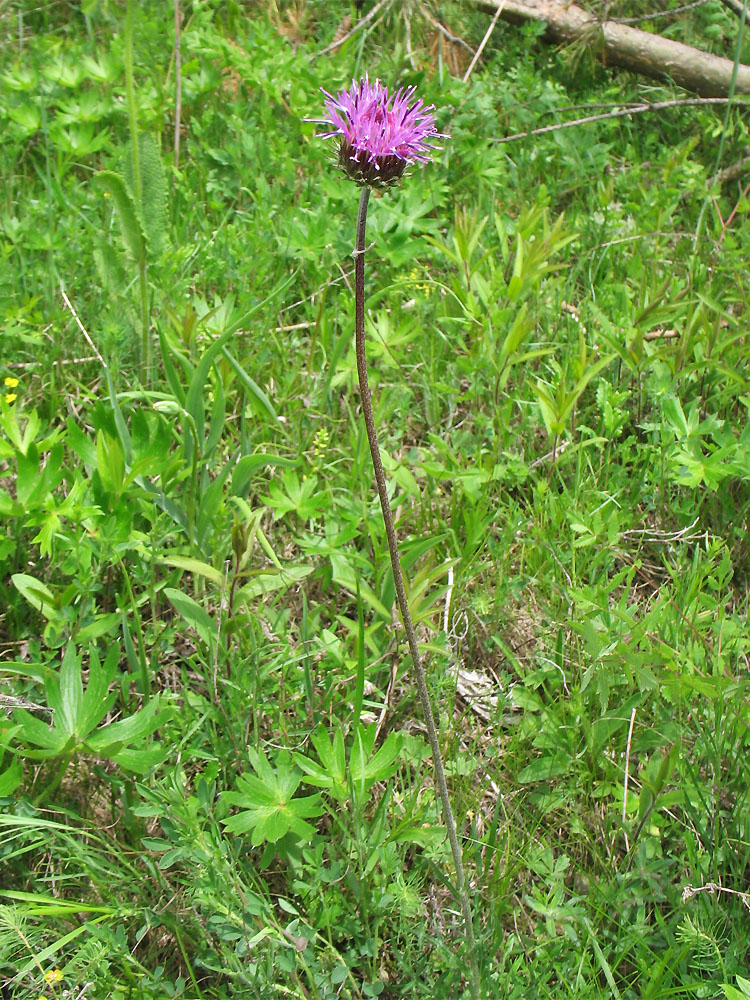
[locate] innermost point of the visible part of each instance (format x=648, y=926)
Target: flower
x=53, y=976
x=380, y=135
x=11, y=397
x=10, y=382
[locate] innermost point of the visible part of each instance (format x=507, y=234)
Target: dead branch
x=619, y=112
x=736, y=6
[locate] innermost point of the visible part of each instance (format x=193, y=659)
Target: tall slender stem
x=137, y=185
x=398, y=579
x=131, y=105
x=177, y=81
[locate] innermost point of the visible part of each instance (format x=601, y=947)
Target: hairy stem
x=398, y=578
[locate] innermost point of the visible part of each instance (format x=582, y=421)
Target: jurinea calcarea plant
x=379, y=137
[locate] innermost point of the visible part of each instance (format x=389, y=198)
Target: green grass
x=557, y=328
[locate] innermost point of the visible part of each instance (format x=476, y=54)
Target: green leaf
x=97, y=699
x=122, y=430
x=11, y=778
x=102, y=625
x=167, y=352
x=603, y=964
x=345, y=575
x=247, y=465
x=262, y=403
x=359, y=684
x=730, y=993
x=194, y=398
x=38, y=733
x=548, y=406
x=208, y=509
x=110, y=463
x=743, y=993
x=424, y=835
x=218, y=419
x=141, y=760
x=331, y=772
x=544, y=769
x=521, y=327
x=153, y=207
x=37, y=904
x=28, y=476
x=192, y=612
x=38, y=595
x=110, y=739
x=71, y=691
x=366, y=767
x=78, y=713
x=133, y=235
x=194, y=566
x=267, y=583
x=270, y=810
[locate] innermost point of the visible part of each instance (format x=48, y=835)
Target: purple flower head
x=379, y=135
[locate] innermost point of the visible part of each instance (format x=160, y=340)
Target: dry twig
x=632, y=109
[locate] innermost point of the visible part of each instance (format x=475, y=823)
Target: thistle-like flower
x=379, y=135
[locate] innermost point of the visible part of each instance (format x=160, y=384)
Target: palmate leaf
x=110, y=739
x=270, y=810
x=330, y=773
x=78, y=713
x=363, y=769
x=368, y=767
x=51, y=742
x=139, y=761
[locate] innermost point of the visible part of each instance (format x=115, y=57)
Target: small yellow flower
x=53, y=976
x=10, y=397
x=10, y=382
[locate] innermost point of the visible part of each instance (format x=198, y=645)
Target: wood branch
x=631, y=48
x=736, y=6
x=731, y=172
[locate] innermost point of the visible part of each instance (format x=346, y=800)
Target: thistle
x=379, y=137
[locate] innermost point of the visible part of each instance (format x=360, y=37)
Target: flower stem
x=398, y=579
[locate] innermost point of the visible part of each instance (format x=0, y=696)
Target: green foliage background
x=214, y=781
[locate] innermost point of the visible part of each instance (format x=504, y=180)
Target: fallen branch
x=731, y=172
x=631, y=48
x=736, y=6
